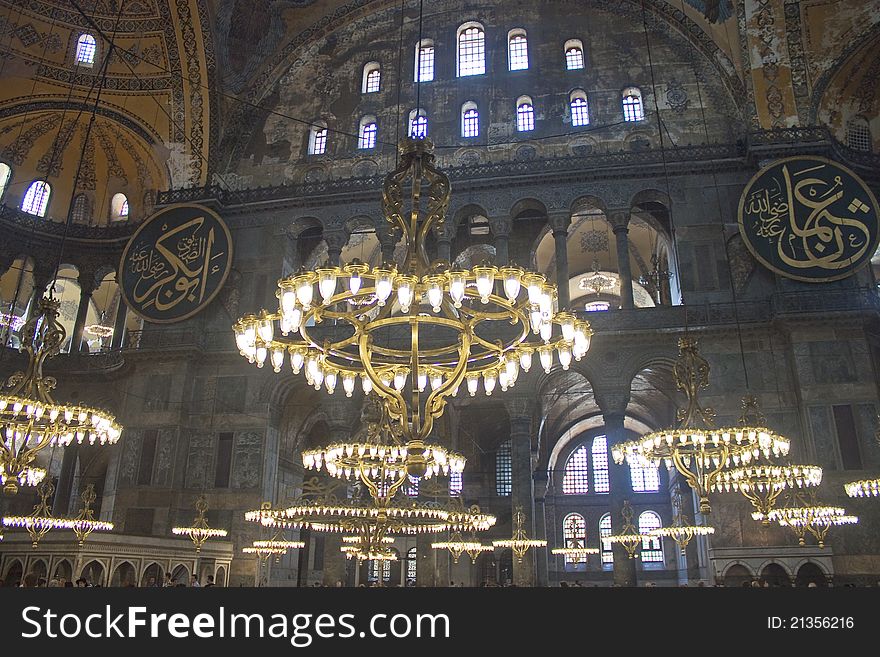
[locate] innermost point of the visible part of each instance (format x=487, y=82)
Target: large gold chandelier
x=414, y=333
x=199, y=531
x=519, y=542
x=30, y=420
x=696, y=448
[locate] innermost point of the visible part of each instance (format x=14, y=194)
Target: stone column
x=388, y=240
x=334, y=559
x=61, y=503
x=619, y=219
x=500, y=227
x=613, y=404
x=540, y=480
x=559, y=223
x=118, y=340
x=42, y=276
x=87, y=286
x=335, y=240
x=522, y=495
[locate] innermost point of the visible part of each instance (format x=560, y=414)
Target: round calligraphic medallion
x=809, y=219
x=175, y=263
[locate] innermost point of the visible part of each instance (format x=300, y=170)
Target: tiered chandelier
x=863, y=488
x=199, y=531
x=814, y=519
x=520, y=542
x=84, y=523
x=629, y=538
x=414, y=333
x=696, y=448
x=458, y=546
x=681, y=531
x=41, y=520
x=575, y=549
x=30, y=420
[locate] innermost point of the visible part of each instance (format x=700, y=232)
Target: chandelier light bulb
x=457, y=287
x=304, y=291
x=525, y=359
x=422, y=379
x=277, y=359
x=288, y=300
x=473, y=383
x=546, y=356
x=512, y=282
x=326, y=283
x=262, y=352
x=435, y=295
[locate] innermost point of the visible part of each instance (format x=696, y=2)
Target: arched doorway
x=124, y=575
x=38, y=568
x=153, y=575
x=13, y=573
x=63, y=571
x=180, y=575
x=220, y=577
x=737, y=575
x=810, y=573
x=775, y=575
x=93, y=573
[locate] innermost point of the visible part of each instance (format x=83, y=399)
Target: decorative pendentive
x=809, y=219
x=520, y=542
x=696, y=448
x=30, y=420
x=199, y=532
x=176, y=263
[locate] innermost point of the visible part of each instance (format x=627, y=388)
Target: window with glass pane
x=425, y=65
x=580, y=111
x=5, y=175
x=645, y=479
x=503, y=471
x=632, y=105
x=367, y=138
x=574, y=58
x=318, y=140
x=518, y=50
x=605, y=531
x=418, y=124
x=455, y=483
x=574, y=531
x=85, y=50
x=858, y=134
x=601, y=482
x=576, y=480
x=471, y=52
x=373, y=78
x=652, y=548
x=411, y=556
x=36, y=198
x=470, y=122
x=525, y=117
x=80, y=210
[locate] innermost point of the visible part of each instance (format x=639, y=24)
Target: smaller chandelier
x=520, y=543
x=355, y=552
x=681, y=531
x=40, y=521
x=85, y=523
x=863, y=488
x=598, y=281
x=273, y=547
x=457, y=546
x=814, y=519
x=762, y=483
x=575, y=553
x=629, y=538
x=99, y=330
x=386, y=540
x=199, y=532
x=29, y=476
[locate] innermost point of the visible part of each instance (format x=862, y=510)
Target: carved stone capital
x=618, y=218
x=520, y=408
x=87, y=279
x=559, y=221
x=500, y=226
x=335, y=239
x=612, y=401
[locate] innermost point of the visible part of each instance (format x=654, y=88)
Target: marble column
x=559, y=223
x=335, y=240
x=540, y=481
x=521, y=495
x=613, y=404
x=87, y=287
x=619, y=219
x=500, y=227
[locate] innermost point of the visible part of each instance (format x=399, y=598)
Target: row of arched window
x=471, y=56
x=578, y=105
x=36, y=200
x=574, y=533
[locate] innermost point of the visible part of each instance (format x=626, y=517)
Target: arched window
x=503, y=472
x=574, y=531
x=576, y=480
x=645, y=479
x=81, y=209
x=36, y=198
x=86, y=46
x=601, y=483
x=517, y=50
x=652, y=548
x=470, y=120
x=318, y=139
x=372, y=77
x=411, y=560
x=418, y=124
x=632, y=104
x=580, y=110
x=525, y=114
x=424, y=69
x=604, y=532
x=471, y=50
x=456, y=484
x=574, y=54
x=367, y=133
x=858, y=134
x=5, y=175
x=118, y=208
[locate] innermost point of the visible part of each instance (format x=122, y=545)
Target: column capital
x=612, y=401
x=87, y=280
x=559, y=221
x=335, y=238
x=618, y=218
x=500, y=226
x=519, y=409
